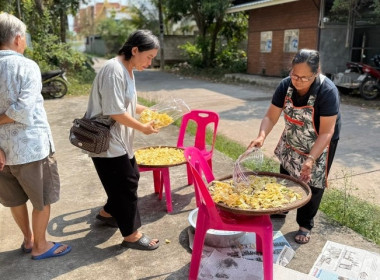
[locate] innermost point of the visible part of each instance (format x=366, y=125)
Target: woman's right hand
x=258, y=143
x=148, y=128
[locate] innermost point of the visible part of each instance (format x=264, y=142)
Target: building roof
x=241, y=5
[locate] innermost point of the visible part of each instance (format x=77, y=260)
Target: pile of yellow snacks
x=159, y=156
x=262, y=193
x=160, y=119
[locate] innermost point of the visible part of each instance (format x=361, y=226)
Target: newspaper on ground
x=241, y=260
x=342, y=262
x=219, y=266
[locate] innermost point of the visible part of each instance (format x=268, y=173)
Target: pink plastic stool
x=209, y=217
x=161, y=179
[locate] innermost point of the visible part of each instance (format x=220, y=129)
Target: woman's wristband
x=312, y=158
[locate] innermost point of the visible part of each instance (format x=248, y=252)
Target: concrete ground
x=96, y=253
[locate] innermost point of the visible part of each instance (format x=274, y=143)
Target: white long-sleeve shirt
x=28, y=138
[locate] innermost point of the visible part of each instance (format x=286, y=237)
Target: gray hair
x=310, y=57
x=10, y=27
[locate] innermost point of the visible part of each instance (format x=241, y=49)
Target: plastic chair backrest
x=202, y=118
x=199, y=166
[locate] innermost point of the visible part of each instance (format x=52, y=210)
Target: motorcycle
x=362, y=77
x=54, y=83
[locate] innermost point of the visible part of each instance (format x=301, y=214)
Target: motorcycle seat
x=50, y=74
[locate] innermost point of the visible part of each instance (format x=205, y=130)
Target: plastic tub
x=216, y=238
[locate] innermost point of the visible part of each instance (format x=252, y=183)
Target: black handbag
x=90, y=135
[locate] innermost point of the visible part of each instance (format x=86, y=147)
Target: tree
x=59, y=10
x=114, y=32
x=346, y=10
x=208, y=15
x=48, y=12
x=143, y=17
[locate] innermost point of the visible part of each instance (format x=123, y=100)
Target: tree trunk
x=63, y=24
x=214, y=36
x=39, y=6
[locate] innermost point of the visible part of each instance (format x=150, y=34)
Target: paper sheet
x=341, y=262
x=242, y=261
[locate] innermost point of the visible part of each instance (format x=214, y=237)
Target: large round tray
x=294, y=184
x=160, y=166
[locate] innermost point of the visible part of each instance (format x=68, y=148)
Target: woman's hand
x=258, y=143
x=306, y=170
x=2, y=159
x=148, y=128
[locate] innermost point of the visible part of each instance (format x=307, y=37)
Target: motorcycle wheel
x=369, y=89
x=343, y=90
x=57, y=88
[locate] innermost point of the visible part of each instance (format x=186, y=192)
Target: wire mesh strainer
x=252, y=158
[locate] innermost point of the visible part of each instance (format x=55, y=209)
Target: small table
x=161, y=177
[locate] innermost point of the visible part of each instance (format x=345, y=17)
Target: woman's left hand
x=306, y=171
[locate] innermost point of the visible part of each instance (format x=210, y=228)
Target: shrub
x=233, y=60
x=194, y=54
x=50, y=54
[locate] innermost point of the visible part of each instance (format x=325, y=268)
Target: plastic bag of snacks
x=165, y=112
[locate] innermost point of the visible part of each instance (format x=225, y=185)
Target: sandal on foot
x=50, y=253
x=142, y=244
x=25, y=250
x=109, y=221
x=306, y=234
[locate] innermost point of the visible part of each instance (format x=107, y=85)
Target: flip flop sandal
x=50, y=253
x=302, y=233
x=25, y=250
x=109, y=221
x=142, y=244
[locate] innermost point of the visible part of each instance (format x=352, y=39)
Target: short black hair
x=311, y=57
x=144, y=40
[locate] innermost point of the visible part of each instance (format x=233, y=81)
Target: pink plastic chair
x=203, y=119
x=210, y=217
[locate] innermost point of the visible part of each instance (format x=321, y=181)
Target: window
x=266, y=42
x=291, y=40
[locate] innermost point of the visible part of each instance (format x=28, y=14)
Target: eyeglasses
x=302, y=79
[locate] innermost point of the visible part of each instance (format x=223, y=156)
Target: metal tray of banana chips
x=292, y=183
x=159, y=156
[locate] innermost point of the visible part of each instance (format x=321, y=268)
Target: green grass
x=352, y=212
x=76, y=87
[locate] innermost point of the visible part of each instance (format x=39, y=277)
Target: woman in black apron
x=310, y=103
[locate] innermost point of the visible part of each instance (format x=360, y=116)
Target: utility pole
x=160, y=18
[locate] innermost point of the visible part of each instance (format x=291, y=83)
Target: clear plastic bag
x=249, y=160
x=165, y=112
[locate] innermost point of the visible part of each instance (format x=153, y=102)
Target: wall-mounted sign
x=266, y=42
x=291, y=38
